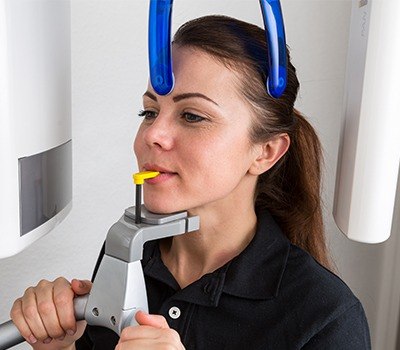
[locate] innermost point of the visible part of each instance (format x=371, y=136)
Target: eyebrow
x=180, y=97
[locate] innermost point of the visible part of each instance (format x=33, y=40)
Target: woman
x=256, y=273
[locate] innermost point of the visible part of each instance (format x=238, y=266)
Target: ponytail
x=291, y=191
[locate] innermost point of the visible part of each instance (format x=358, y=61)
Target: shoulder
x=324, y=307
x=298, y=275
x=301, y=277
x=303, y=271
x=320, y=289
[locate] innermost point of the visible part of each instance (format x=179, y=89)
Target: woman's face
x=197, y=137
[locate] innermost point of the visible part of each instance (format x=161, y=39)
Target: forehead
x=197, y=71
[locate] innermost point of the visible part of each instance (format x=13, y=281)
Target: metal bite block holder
x=119, y=289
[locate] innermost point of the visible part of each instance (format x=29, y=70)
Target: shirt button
x=207, y=288
x=174, y=312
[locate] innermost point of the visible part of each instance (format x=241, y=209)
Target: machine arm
x=119, y=289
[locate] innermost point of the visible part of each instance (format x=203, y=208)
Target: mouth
x=164, y=172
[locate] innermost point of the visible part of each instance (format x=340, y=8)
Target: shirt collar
x=255, y=273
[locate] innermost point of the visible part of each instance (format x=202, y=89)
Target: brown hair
x=291, y=189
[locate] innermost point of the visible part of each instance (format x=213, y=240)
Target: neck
x=223, y=235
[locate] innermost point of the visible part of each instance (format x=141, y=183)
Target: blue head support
x=161, y=75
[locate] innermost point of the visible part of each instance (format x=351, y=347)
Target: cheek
x=138, y=144
x=219, y=165
x=228, y=153
x=134, y=146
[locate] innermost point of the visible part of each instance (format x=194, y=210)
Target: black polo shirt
x=271, y=296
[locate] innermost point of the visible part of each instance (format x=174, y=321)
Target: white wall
x=109, y=72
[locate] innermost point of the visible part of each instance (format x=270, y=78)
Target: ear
x=268, y=153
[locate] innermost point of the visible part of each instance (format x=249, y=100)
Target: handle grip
x=9, y=333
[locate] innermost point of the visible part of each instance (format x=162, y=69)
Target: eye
x=147, y=114
x=192, y=118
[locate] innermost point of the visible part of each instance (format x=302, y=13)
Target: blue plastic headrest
x=161, y=75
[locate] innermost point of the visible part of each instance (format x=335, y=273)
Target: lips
x=154, y=167
x=165, y=173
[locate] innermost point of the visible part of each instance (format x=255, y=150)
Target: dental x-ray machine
x=36, y=195
x=121, y=265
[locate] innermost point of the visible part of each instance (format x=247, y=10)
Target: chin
x=156, y=208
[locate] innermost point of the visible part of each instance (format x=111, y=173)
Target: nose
x=160, y=133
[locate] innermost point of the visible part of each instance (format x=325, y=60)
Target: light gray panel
x=45, y=181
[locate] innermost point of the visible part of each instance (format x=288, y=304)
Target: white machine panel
x=368, y=165
x=35, y=120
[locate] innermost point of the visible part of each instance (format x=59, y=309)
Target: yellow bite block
x=139, y=178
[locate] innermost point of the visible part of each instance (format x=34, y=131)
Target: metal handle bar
x=9, y=333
